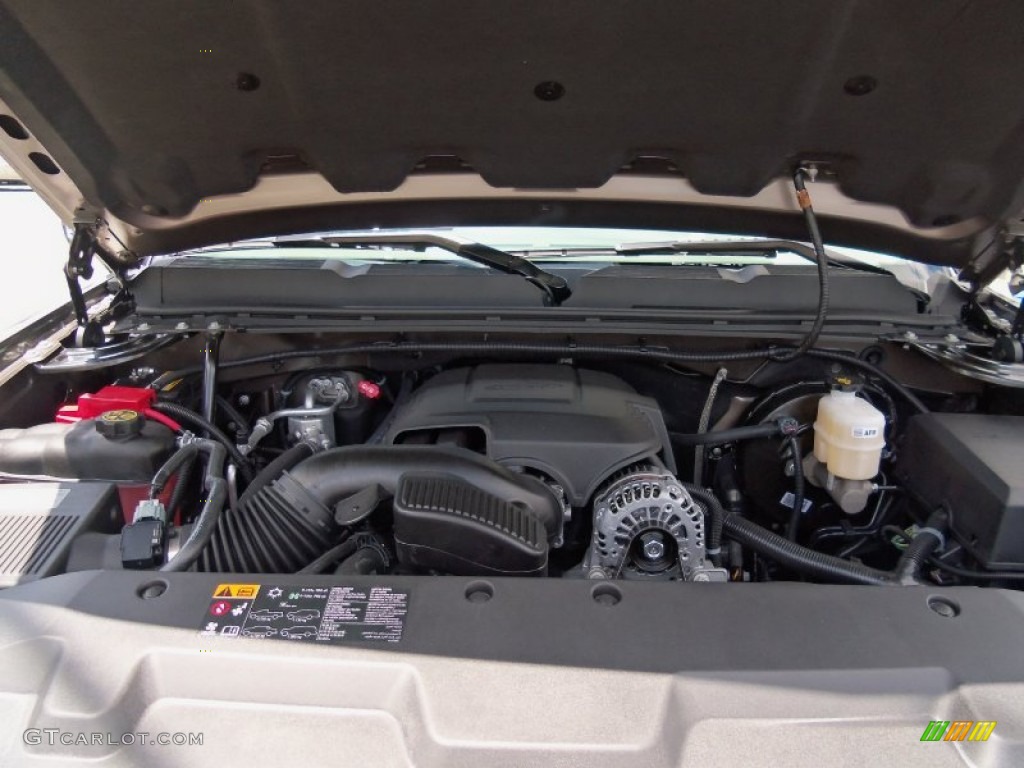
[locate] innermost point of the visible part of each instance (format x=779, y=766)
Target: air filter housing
x=445, y=524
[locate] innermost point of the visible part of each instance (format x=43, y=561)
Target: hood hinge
x=1009, y=347
x=79, y=265
x=1004, y=251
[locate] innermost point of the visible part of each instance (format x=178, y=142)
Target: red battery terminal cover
x=110, y=398
x=114, y=398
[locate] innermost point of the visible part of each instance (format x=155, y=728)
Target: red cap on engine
x=368, y=389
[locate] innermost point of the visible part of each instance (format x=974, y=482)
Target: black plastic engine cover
x=445, y=524
x=39, y=522
x=970, y=464
x=576, y=426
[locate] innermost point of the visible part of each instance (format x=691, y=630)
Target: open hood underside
x=149, y=111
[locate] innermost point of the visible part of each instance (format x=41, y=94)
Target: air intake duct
x=290, y=522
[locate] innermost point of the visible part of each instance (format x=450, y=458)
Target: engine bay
x=593, y=469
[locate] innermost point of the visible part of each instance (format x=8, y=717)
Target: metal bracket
x=1009, y=348
x=1016, y=287
x=79, y=265
x=979, y=317
x=1004, y=251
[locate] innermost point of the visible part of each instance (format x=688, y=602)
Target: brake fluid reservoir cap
x=842, y=380
x=120, y=424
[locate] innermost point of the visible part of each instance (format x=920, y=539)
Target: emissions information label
x=306, y=614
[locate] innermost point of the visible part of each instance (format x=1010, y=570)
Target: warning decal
x=236, y=590
x=307, y=614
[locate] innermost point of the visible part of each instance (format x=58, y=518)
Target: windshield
x=569, y=245
x=543, y=240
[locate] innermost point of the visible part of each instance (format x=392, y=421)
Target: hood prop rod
x=211, y=359
x=79, y=265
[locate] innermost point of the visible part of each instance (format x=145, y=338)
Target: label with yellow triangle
x=229, y=591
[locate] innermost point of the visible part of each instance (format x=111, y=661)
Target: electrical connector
x=150, y=509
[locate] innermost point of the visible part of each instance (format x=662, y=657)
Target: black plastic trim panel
x=652, y=627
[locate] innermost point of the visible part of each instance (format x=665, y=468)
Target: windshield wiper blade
x=770, y=248
x=555, y=287
x=604, y=253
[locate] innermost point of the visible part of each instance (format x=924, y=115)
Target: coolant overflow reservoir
x=849, y=435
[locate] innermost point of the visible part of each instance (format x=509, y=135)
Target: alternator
x=647, y=526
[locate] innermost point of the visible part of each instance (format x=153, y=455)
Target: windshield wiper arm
x=555, y=287
x=755, y=247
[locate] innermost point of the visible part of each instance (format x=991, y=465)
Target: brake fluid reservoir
x=849, y=435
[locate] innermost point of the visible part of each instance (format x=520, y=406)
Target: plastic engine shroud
x=576, y=426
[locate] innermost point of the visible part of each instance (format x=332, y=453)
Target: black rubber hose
x=727, y=484
x=967, y=573
x=273, y=470
x=332, y=555
x=874, y=370
x=892, y=420
x=551, y=350
x=216, y=494
x=715, y=515
x=925, y=543
x=181, y=413
x=181, y=486
x=179, y=458
x=206, y=524
x=723, y=436
x=798, y=488
x=847, y=531
x=727, y=489
x=798, y=558
x=820, y=261
x=362, y=562
x=224, y=406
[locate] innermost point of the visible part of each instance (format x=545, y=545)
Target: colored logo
x=220, y=608
x=122, y=415
x=958, y=730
